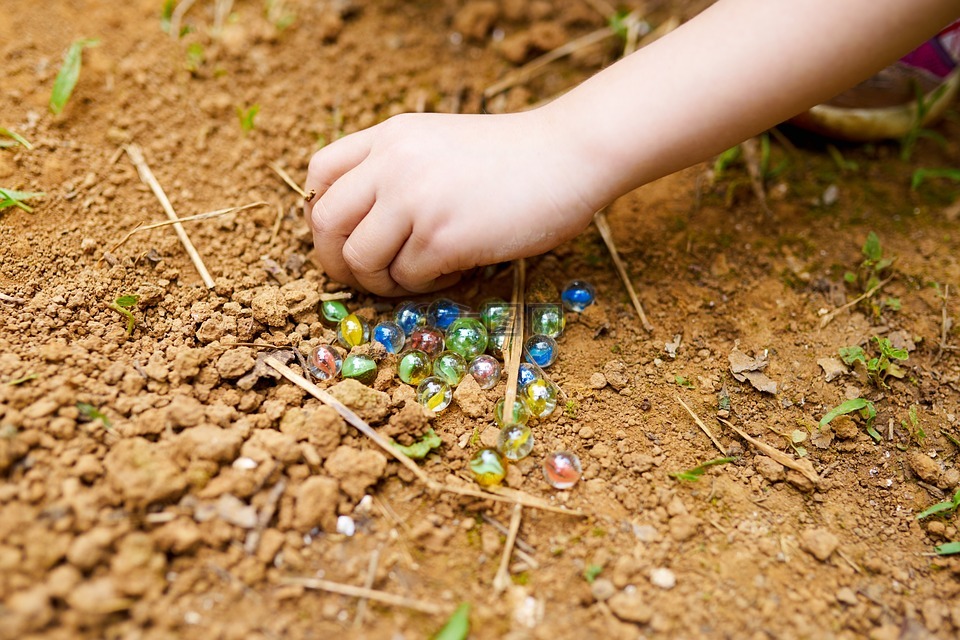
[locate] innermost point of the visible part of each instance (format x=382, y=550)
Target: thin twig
x=264, y=517
x=522, y=545
x=337, y=295
x=600, y=219
x=515, y=341
x=371, y=594
x=177, y=17
x=5, y=298
x=702, y=426
x=348, y=415
x=806, y=470
x=367, y=584
x=827, y=319
x=136, y=155
x=286, y=178
x=944, y=325
x=849, y=561
x=532, y=68
x=502, y=580
x=276, y=225
x=200, y=216
x=221, y=9
x=499, y=494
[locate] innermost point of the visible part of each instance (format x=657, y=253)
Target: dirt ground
x=157, y=485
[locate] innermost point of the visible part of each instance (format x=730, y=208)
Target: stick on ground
x=499, y=494
x=515, y=339
x=600, y=219
x=286, y=178
x=199, y=216
x=805, y=469
x=702, y=426
x=367, y=584
x=502, y=580
x=827, y=319
x=136, y=156
x=370, y=594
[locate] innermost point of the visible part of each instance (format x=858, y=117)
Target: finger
x=335, y=216
x=372, y=247
x=333, y=161
x=419, y=268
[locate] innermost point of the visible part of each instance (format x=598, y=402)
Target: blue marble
x=578, y=295
x=528, y=373
x=410, y=315
x=442, y=312
x=390, y=335
x=541, y=350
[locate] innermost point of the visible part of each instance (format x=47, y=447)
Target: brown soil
x=150, y=527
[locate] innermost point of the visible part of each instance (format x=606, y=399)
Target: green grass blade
x=13, y=198
x=948, y=549
x=921, y=175
x=69, y=74
x=940, y=507
x=847, y=407
x=458, y=626
x=16, y=139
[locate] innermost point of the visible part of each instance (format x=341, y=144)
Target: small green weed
x=69, y=74
x=909, y=141
x=247, y=117
x=122, y=305
x=880, y=367
x=944, y=508
x=842, y=163
x=570, y=409
x=89, y=413
x=693, y=475
x=457, y=626
x=912, y=426
x=866, y=409
x=277, y=14
x=21, y=380
x=870, y=273
x=196, y=56
x=592, y=572
x=948, y=549
x=15, y=139
x=683, y=382
x=419, y=450
x=922, y=174
x=11, y=198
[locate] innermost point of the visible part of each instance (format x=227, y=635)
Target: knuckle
x=354, y=259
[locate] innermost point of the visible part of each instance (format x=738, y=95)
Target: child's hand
x=407, y=205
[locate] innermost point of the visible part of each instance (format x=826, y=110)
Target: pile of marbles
x=440, y=343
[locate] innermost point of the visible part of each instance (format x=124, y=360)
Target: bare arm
x=735, y=70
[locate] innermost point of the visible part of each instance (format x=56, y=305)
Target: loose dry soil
x=161, y=524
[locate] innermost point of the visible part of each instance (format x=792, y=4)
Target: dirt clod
x=820, y=543
x=924, y=466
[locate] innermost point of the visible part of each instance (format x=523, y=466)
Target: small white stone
x=663, y=578
x=346, y=526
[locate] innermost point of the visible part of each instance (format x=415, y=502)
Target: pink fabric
x=938, y=56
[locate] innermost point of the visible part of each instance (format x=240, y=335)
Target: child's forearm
x=740, y=67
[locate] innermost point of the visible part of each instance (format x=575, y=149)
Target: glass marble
x=488, y=467
x=442, y=312
x=515, y=442
x=578, y=295
x=410, y=315
x=485, y=370
x=427, y=339
x=333, y=311
x=361, y=368
x=450, y=367
x=528, y=372
x=434, y=394
x=520, y=413
x=467, y=336
x=561, y=469
x=353, y=331
x=541, y=350
x=545, y=319
x=497, y=342
x=494, y=314
x=324, y=362
x=414, y=367
x=390, y=335
x=540, y=396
